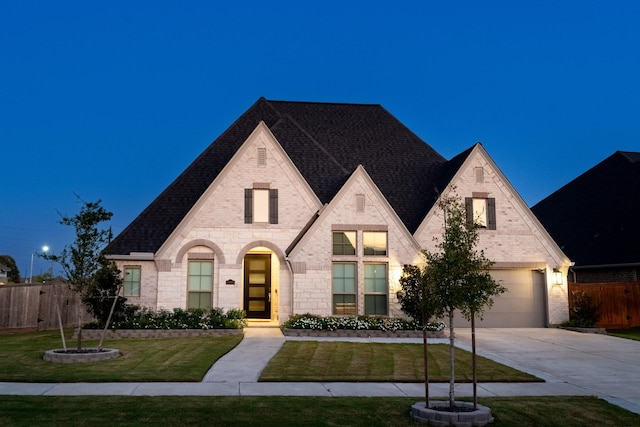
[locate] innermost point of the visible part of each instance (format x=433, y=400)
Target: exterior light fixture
x=557, y=277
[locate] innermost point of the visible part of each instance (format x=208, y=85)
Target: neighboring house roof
x=594, y=218
x=326, y=142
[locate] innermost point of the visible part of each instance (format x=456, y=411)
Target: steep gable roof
x=594, y=218
x=326, y=142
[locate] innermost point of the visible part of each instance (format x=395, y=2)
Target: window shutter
x=273, y=206
x=491, y=214
x=248, y=205
x=468, y=205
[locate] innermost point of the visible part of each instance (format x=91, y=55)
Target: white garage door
x=522, y=306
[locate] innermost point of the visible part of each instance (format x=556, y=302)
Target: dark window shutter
x=491, y=214
x=468, y=205
x=273, y=206
x=248, y=205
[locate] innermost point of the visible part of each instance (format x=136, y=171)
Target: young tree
x=82, y=260
x=416, y=300
x=458, y=275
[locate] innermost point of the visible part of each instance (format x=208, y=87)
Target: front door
x=257, y=286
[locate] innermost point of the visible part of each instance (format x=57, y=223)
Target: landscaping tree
x=457, y=275
x=13, y=275
x=83, y=260
x=416, y=300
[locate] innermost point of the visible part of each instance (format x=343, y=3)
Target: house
x=594, y=219
x=303, y=207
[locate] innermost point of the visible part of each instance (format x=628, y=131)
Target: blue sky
x=112, y=100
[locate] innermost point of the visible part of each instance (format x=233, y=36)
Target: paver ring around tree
x=85, y=355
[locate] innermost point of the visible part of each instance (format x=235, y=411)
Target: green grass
x=167, y=359
x=290, y=411
x=631, y=333
x=349, y=361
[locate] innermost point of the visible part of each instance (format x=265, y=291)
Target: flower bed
x=357, y=326
x=177, y=319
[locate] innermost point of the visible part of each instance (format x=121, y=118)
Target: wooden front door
x=257, y=286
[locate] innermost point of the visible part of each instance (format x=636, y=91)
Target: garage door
x=522, y=306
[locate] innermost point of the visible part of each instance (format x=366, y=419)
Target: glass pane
x=257, y=278
x=257, y=292
x=199, y=300
x=375, y=304
x=205, y=268
x=256, y=305
x=344, y=243
x=257, y=264
x=480, y=212
x=344, y=277
x=344, y=304
x=260, y=205
x=374, y=242
x=375, y=278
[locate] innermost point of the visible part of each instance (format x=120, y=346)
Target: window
x=375, y=289
x=344, y=243
x=200, y=284
x=131, y=285
x=260, y=205
x=374, y=242
x=481, y=212
x=344, y=288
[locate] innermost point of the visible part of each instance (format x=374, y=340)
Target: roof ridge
x=313, y=140
x=324, y=103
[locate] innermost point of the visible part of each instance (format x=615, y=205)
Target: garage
x=522, y=306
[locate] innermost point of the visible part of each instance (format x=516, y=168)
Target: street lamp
x=44, y=249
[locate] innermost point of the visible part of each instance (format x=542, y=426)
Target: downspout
x=286, y=258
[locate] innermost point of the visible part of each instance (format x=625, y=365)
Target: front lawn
x=95, y=411
x=166, y=359
x=349, y=361
x=631, y=333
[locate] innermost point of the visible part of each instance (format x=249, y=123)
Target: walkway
x=572, y=364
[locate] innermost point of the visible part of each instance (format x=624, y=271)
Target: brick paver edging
x=157, y=333
x=352, y=333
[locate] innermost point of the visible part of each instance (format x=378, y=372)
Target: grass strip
x=381, y=362
x=630, y=334
x=166, y=359
x=71, y=411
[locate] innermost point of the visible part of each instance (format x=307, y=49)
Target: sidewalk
x=572, y=364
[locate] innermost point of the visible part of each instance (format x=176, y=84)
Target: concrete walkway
x=572, y=364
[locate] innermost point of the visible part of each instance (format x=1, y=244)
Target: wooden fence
x=619, y=302
x=34, y=307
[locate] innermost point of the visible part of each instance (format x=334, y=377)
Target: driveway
x=605, y=366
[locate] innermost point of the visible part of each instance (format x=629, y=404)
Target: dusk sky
x=112, y=100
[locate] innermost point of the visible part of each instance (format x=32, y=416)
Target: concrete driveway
x=605, y=366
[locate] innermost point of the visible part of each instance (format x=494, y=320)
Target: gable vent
x=479, y=175
x=262, y=156
x=359, y=202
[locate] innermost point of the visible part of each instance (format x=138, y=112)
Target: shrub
x=585, y=312
x=332, y=323
x=178, y=318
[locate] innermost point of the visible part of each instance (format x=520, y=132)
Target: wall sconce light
x=557, y=277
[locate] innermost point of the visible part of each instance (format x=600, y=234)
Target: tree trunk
x=473, y=359
x=79, y=321
x=452, y=362
x=426, y=365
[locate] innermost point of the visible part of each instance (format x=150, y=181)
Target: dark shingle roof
x=326, y=142
x=594, y=218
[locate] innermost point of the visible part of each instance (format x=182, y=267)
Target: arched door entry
x=257, y=286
